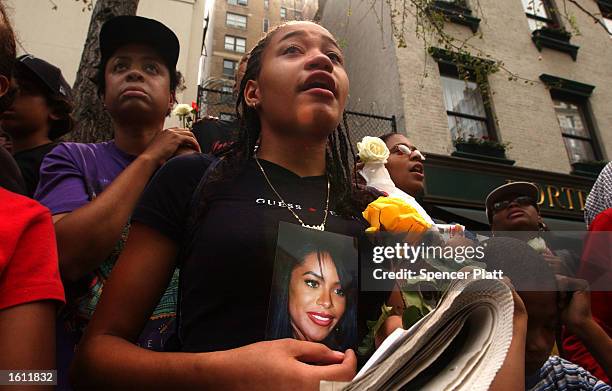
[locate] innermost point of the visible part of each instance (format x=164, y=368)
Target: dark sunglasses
x=520, y=201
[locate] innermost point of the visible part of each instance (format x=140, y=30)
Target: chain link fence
x=216, y=103
x=219, y=103
x=362, y=124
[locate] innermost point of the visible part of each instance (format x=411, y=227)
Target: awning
x=475, y=215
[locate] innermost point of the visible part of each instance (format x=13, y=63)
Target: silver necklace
x=320, y=227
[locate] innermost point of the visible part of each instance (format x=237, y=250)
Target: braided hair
x=7, y=57
x=350, y=201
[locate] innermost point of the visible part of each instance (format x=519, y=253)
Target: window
x=227, y=89
x=606, y=14
x=455, y=11
x=235, y=44
x=238, y=2
x=465, y=107
x=576, y=135
x=540, y=13
x=283, y=13
x=570, y=102
x=546, y=29
x=461, y=3
x=266, y=4
x=608, y=24
x=297, y=15
x=266, y=25
x=226, y=116
x=229, y=67
x=236, y=20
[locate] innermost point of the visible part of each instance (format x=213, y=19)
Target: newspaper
x=460, y=345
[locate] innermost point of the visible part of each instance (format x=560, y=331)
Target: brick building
x=553, y=125
x=233, y=28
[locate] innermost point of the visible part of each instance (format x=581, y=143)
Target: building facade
x=555, y=117
x=237, y=25
x=233, y=28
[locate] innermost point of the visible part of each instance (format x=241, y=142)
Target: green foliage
x=367, y=346
x=430, y=30
x=419, y=295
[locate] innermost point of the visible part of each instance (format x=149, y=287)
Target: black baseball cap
x=50, y=75
x=126, y=29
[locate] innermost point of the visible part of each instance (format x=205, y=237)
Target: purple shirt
x=73, y=174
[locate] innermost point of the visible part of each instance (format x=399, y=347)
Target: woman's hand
x=520, y=311
x=285, y=364
x=392, y=323
x=577, y=316
x=511, y=376
x=556, y=264
x=171, y=142
x=577, y=311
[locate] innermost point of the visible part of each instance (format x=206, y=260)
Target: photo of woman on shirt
x=314, y=292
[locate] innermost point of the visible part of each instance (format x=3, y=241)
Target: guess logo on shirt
x=280, y=204
x=264, y=201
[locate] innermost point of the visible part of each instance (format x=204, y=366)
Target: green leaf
x=411, y=316
x=412, y=298
x=367, y=344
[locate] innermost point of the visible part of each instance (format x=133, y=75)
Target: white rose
x=181, y=110
x=372, y=149
x=538, y=244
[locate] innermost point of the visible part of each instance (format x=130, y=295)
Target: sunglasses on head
x=404, y=149
x=520, y=201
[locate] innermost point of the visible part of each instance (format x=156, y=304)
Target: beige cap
x=525, y=188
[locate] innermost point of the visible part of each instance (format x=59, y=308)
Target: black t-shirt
x=213, y=133
x=10, y=177
x=226, y=277
x=29, y=163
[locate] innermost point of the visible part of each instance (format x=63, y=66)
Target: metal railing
x=218, y=103
x=362, y=124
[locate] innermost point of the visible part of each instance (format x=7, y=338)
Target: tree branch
x=589, y=13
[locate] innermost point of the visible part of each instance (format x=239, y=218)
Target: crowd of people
x=141, y=262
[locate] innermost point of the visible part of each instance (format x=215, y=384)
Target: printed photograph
x=315, y=287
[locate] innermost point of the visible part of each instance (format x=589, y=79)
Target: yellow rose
x=394, y=215
x=372, y=149
x=182, y=110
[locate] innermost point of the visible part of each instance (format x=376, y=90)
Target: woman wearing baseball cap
x=512, y=210
x=92, y=189
x=39, y=115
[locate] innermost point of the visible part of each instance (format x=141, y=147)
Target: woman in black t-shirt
x=291, y=103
